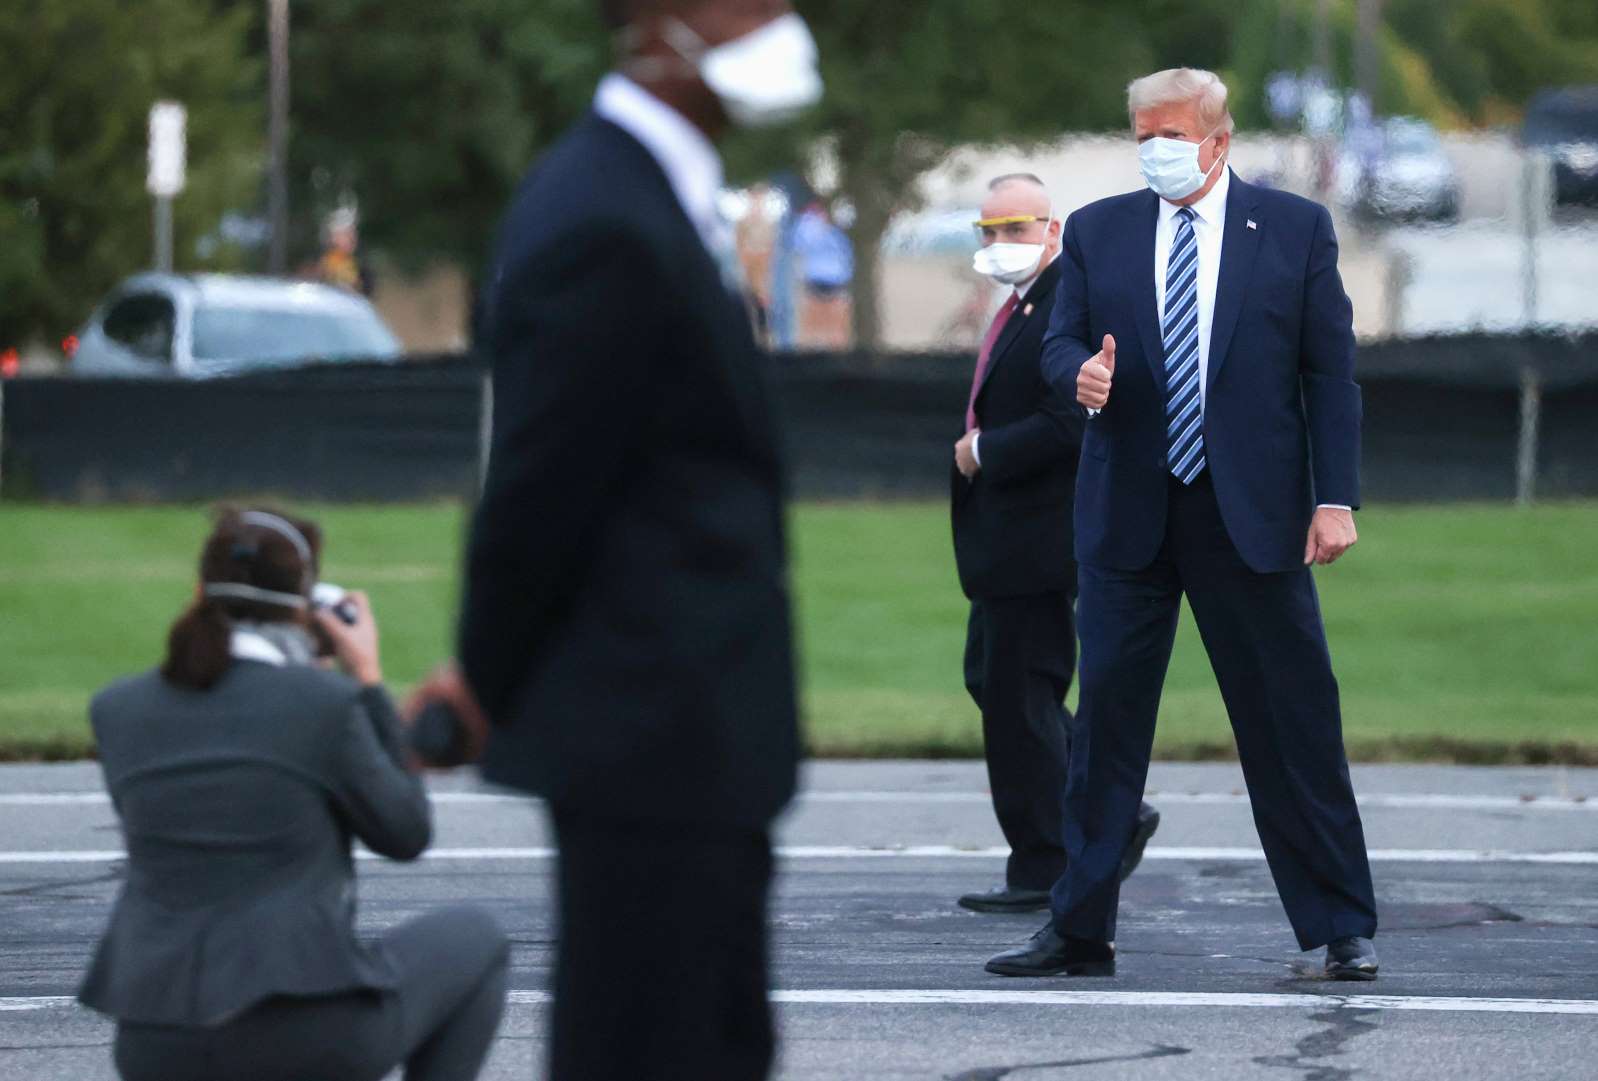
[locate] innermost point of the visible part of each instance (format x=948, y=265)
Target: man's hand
x=1093, y=380
x=965, y=458
x=448, y=685
x=1331, y=533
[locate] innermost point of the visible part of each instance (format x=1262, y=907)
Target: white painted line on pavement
x=1433, y=801
x=41, y=1002
x=1393, y=800
x=1401, y=800
x=1221, y=999
x=64, y=856
x=1167, y=999
x=858, y=852
x=51, y=799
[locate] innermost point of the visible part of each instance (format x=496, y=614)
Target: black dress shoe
x=1148, y=820
x=1006, y=899
x=1351, y=958
x=1050, y=954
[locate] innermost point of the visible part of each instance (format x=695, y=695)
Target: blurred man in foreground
x=1014, y=479
x=1204, y=326
x=626, y=619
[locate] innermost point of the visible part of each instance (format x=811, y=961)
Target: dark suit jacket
x=1012, y=521
x=238, y=806
x=626, y=620
x=1282, y=410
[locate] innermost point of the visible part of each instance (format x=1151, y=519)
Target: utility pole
x=1323, y=39
x=277, y=184
x=1367, y=51
x=168, y=170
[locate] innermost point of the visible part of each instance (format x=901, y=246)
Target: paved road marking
x=1167, y=999
x=40, y=1002
x=848, y=852
x=1407, y=801
x=1394, y=800
x=1434, y=801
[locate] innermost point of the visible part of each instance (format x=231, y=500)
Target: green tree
x=75, y=92
x=907, y=82
x=429, y=113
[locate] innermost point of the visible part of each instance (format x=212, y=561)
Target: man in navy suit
x=625, y=624
x=1013, y=475
x=1204, y=327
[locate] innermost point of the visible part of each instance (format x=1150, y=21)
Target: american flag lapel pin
x=1251, y=224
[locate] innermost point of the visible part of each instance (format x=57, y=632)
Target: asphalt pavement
x=1487, y=881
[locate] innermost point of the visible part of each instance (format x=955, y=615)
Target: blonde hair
x=1177, y=85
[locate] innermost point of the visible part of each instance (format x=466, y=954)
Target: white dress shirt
x=686, y=155
x=1209, y=223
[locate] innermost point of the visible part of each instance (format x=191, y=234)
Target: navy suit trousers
x=1267, y=646
x=1020, y=655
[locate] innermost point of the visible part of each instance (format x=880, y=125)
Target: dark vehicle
x=1399, y=171
x=1564, y=124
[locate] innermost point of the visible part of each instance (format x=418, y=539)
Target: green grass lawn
x=1463, y=633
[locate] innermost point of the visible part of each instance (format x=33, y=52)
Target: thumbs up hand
x=1093, y=380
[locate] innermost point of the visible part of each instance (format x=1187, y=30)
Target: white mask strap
x=239, y=591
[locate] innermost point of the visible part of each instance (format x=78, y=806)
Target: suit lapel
x=1019, y=318
x=1240, y=238
x=1147, y=311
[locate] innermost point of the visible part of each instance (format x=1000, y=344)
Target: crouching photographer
x=241, y=770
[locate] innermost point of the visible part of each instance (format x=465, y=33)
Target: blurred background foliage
x=428, y=113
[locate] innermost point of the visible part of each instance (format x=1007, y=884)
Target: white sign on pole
x=168, y=149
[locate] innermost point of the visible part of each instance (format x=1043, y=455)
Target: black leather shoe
x=1148, y=820
x=1050, y=954
x=1006, y=899
x=1351, y=959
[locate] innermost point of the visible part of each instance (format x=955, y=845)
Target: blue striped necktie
x=1184, y=412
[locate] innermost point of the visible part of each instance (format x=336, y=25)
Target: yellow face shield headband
x=1014, y=219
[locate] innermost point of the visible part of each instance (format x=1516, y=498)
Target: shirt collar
x=1211, y=209
x=685, y=154
x=1023, y=288
x=277, y=644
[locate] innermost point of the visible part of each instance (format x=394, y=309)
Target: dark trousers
x=1020, y=655
x=661, y=968
x=439, y=1023
x=1265, y=641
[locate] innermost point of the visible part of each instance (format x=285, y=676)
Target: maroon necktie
x=986, y=356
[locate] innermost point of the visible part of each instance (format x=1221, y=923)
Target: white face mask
x=1008, y=264
x=768, y=76
x=1170, y=166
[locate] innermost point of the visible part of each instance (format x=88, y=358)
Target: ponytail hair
x=199, y=646
x=242, y=550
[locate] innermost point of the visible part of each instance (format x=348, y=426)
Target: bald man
x=1013, y=485
x=626, y=622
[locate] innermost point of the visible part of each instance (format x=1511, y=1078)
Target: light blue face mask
x=1170, y=166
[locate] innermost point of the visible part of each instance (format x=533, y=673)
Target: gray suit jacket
x=238, y=807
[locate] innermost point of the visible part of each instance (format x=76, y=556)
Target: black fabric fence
x=367, y=432
x=1470, y=417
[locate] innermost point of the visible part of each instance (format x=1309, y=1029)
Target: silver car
x=204, y=325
